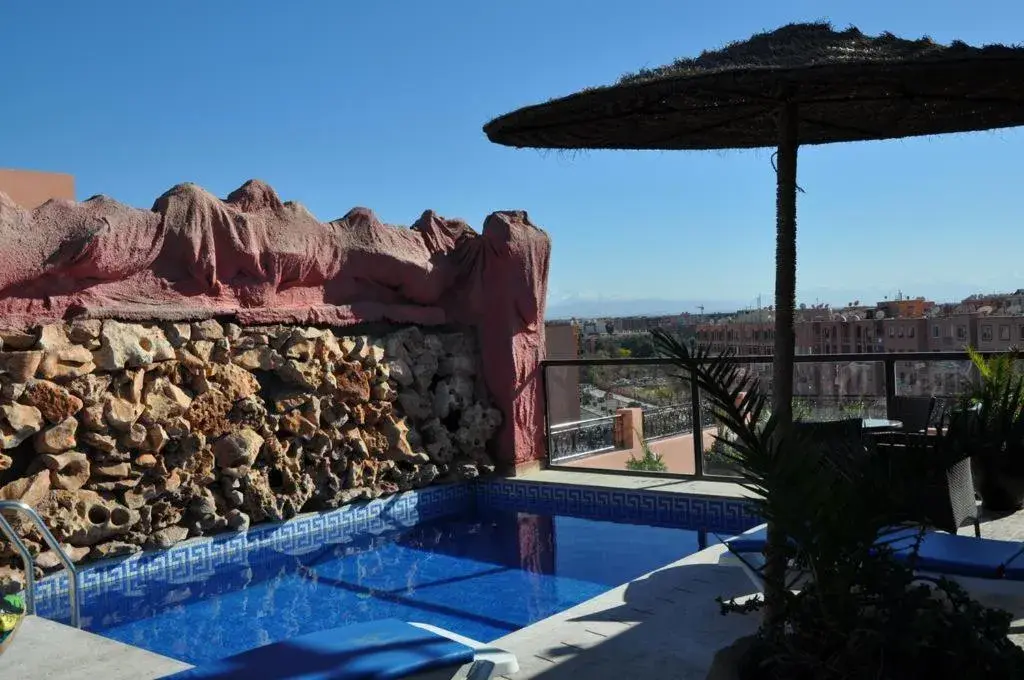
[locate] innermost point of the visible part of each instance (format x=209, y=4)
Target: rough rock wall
x=131, y=436
x=259, y=260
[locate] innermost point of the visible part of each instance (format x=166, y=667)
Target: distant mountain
x=568, y=306
x=601, y=307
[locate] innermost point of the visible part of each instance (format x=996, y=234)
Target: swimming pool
x=480, y=564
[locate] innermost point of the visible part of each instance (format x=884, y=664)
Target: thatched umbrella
x=800, y=84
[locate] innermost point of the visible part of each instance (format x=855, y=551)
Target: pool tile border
x=714, y=513
x=196, y=559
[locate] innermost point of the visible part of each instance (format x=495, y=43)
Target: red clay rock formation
x=261, y=260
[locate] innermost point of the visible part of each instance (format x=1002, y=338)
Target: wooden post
x=785, y=340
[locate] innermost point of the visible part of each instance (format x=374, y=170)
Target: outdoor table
x=881, y=424
x=871, y=424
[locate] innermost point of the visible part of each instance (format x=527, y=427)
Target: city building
x=561, y=341
x=999, y=333
x=30, y=188
x=841, y=334
x=905, y=308
x=952, y=333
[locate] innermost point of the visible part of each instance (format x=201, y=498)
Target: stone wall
x=258, y=260
x=132, y=436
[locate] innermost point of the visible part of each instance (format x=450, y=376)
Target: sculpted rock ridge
x=257, y=260
x=194, y=255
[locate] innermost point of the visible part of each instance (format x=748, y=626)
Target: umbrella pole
x=785, y=340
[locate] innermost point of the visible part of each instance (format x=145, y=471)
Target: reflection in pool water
x=482, y=575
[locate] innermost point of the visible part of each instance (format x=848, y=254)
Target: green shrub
x=651, y=461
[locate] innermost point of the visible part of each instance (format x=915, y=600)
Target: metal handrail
x=586, y=421
x=888, y=361
x=29, y=563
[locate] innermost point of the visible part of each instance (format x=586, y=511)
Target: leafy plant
x=801, y=410
x=852, y=409
x=995, y=373
x=650, y=462
x=989, y=422
x=860, y=613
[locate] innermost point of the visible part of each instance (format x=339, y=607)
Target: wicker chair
x=914, y=412
x=832, y=436
x=945, y=499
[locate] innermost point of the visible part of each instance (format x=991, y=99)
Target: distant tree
x=609, y=327
x=640, y=345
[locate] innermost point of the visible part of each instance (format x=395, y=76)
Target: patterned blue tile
x=626, y=505
x=195, y=560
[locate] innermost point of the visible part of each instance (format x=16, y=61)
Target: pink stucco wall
x=260, y=260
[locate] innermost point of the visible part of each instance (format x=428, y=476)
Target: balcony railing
x=588, y=400
x=668, y=421
x=567, y=441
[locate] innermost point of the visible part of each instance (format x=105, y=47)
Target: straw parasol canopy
x=849, y=87
x=800, y=84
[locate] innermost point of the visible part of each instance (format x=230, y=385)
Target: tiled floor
x=42, y=649
x=651, y=483
x=664, y=626
x=1006, y=528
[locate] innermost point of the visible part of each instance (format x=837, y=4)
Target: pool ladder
x=29, y=562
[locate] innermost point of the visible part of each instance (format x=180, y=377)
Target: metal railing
x=29, y=563
x=568, y=441
x=669, y=421
x=573, y=440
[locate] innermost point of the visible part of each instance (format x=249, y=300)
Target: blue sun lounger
x=978, y=564
x=376, y=650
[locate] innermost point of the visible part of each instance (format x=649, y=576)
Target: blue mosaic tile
x=625, y=505
x=196, y=560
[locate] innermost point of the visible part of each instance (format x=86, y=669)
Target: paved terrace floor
x=44, y=650
x=666, y=625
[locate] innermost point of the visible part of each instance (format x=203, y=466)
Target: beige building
x=30, y=189
x=562, y=382
x=999, y=333
x=952, y=333
x=901, y=335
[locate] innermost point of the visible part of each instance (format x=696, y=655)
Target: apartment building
x=905, y=308
x=999, y=333
x=561, y=340
x=952, y=333
x=902, y=335
x=839, y=334
x=744, y=338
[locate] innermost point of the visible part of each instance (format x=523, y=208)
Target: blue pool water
x=483, y=574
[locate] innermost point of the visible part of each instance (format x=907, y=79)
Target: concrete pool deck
x=43, y=650
x=666, y=625
x=658, y=483
x=663, y=626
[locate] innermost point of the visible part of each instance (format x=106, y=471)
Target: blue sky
x=380, y=104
